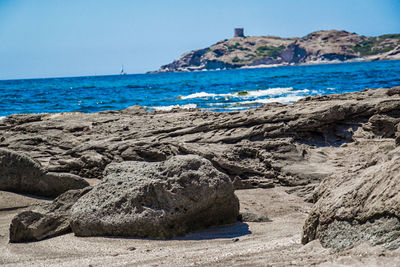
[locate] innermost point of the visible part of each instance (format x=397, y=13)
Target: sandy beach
x=274, y=243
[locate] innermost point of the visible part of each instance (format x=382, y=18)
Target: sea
x=223, y=90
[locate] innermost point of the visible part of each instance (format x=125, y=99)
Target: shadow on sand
x=224, y=231
x=217, y=232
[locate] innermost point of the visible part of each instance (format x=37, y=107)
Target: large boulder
x=45, y=220
x=21, y=174
x=359, y=205
x=156, y=200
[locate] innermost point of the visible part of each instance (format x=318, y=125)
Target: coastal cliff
x=263, y=51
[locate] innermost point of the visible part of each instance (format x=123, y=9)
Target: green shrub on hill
x=390, y=36
x=365, y=48
x=368, y=47
x=236, y=60
x=270, y=51
x=383, y=50
x=233, y=47
x=237, y=46
x=250, y=56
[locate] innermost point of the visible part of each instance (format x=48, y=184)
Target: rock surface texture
x=359, y=204
x=46, y=219
x=320, y=46
x=337, y=151
x=156, y=200
x=20, y=173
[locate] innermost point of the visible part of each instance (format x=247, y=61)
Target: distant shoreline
x=269, y=51
x=243, y=68
x=316, y=63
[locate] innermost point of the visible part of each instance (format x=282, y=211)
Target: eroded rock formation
x=359, y=203
x=156, y=200
x=20, y=173
x=45, y=220
x=342, y=145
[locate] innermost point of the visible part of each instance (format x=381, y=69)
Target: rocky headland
x=263, y=51
x=323, y=172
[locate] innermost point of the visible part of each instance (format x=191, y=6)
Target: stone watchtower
x=239, y=32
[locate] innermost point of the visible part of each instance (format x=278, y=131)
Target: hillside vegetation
x=316, y=47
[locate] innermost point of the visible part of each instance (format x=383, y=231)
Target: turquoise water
x=212, y=90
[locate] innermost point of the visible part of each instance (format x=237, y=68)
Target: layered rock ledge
x=20, y=173
x=343, y=146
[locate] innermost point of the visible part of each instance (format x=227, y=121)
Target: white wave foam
x=168, y=108
x=248, y=94
x=275, y=91
x=217, y=104
x=227, y=108
x=2, y=118
x=284, y=99
x=198, y=95
x=235, y=108
x=270, y=91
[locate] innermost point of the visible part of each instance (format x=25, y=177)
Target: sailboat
x=122, y=70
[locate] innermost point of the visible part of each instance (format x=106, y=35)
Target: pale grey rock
x=394, y=91
x=22, y=174
x=253, y=217
x=383, y=231
x=19, y=172
x=45, y=220
x=156, y=200
x=358, y=204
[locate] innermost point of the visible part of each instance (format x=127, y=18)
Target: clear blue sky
x=50, y=38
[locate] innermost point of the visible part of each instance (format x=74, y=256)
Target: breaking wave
x=171, y=107
x=289, y=99
x=247, y=94
x=213, y=90
x=283, y=99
